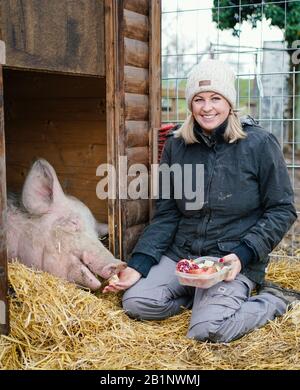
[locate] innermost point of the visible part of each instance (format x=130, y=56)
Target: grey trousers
x=221, y=313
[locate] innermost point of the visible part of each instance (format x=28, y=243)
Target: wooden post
x=114, y=111
x=133, y=103
x=4, y=321
x=154, y=84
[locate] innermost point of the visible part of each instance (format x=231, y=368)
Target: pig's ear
x=102, y=228
x=41, y=188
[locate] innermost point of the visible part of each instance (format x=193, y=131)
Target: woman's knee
x=208, y=331
x=132, y=307
x=145, y=308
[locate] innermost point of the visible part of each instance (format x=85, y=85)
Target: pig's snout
x=112, y=269
x=104, y=268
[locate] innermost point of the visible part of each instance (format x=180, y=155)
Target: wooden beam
x=136, y=53
x=59, y=109
x=55, y=131
x=29, y=84
x=137, y=133
x=136, y=107
x=137, y=212
x=140, y=6
x=81, y=155
x=138, y=155
x=113, y=68
x=136, y=80
x=136, y=26
x=120, y=119
x=155, y=83
x=4, y=320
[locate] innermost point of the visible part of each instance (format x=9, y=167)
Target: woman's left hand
x=233, y=260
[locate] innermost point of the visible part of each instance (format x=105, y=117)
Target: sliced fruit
x=185, y=265
x=198, y=271
x=204, y=270
x=208, y=263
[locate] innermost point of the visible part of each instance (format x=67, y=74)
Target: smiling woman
x=247, y=209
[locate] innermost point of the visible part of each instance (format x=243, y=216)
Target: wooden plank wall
x=56, y=35
x=62, y=119
x=137, y=84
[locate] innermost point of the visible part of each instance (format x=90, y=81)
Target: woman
x=247, y=209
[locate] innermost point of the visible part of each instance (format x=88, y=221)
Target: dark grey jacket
x=248, y=200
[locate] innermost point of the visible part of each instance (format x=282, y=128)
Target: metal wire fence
x=261, y=42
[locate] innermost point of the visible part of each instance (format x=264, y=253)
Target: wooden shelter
x=79, y=86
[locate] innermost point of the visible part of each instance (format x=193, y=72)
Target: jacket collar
x=217, y=135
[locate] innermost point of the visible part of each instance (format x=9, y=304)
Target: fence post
x=4, y=320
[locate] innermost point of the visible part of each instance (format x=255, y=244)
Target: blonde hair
x=233, y=131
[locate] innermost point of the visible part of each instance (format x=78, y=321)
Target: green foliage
x=227, y=14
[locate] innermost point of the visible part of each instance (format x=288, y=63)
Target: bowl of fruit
x=202, y=272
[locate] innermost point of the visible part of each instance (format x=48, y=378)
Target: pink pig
x=57, y=233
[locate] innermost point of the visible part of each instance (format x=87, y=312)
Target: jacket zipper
x=208, y=216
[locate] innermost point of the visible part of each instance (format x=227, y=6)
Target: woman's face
x=210, y=110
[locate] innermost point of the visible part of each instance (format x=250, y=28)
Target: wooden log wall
x=62, y=119
x=135, y=47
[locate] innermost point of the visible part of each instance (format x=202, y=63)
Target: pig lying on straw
x=56, y=233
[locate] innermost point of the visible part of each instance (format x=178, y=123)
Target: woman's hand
x=233, y=260
x=127, y=278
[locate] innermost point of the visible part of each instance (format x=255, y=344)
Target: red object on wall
x=162, y=136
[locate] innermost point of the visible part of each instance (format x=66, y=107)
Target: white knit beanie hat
x=211, y=76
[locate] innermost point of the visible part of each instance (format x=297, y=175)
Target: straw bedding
x=55, y=325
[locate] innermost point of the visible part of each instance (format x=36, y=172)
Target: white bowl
x=202, y=280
